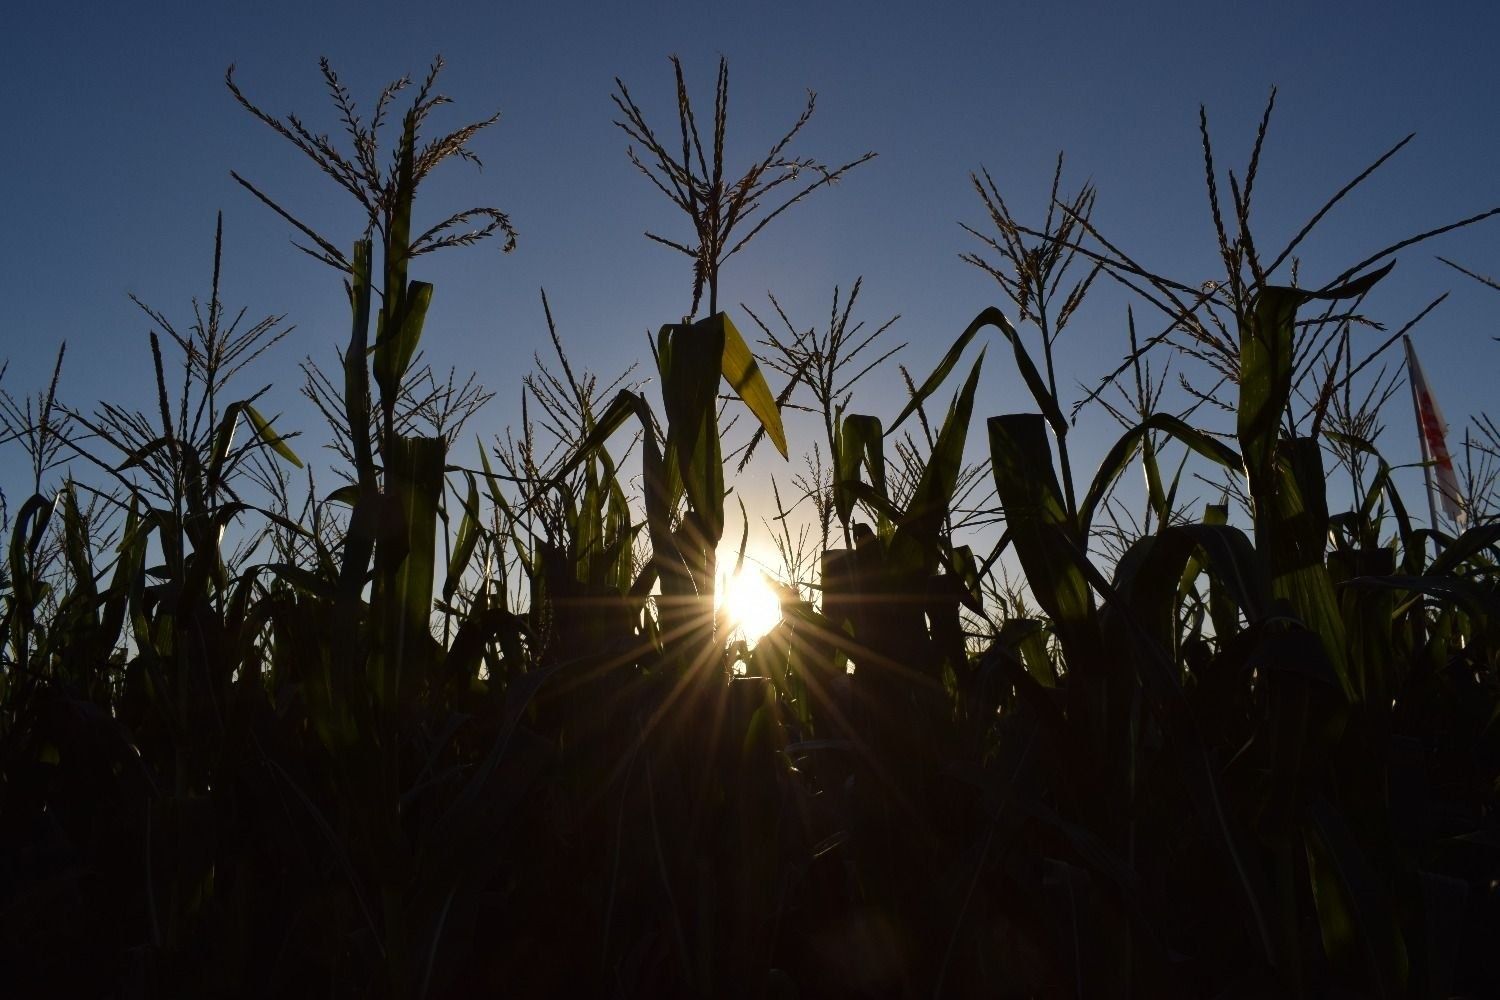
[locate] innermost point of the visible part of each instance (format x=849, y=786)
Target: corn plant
x=451, y=729
x=1270, y=732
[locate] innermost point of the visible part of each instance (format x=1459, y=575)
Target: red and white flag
x=1433, y=430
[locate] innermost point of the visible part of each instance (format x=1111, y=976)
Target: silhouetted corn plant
x=822, y=360
x=697, y=183
x=240, y=756
x=1271, y=734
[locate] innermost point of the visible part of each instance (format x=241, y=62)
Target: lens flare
x=750, y=604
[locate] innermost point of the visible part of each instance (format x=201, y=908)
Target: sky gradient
x=123, y=136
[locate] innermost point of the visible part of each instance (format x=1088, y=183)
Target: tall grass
x=461, y=727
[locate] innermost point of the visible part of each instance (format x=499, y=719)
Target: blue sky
x=122, y=137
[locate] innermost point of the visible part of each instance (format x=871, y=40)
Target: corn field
x=473, y=722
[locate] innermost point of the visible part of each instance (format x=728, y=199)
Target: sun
x=750, y=604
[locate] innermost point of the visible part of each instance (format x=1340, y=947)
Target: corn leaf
x=859, y=439
x=139, y=455
x=625, y=405
x=1027, y=484
x=269, y=436
x=744, y=376
x=918, y=537
x=1029, y=373
x=398, y=339
x=463, y=546
x=692, y=357
x=1117, y=459
x=1295, y=546
x=404, y=559
x=1267, y=343
x=1465, y=547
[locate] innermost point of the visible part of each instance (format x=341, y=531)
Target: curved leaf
x=859, y=439
x=269, y=436
x=1033, y=378
x=1039, y=527
x=744, y=376
x=918, y=537
x=463, y=546
x=1118, y=457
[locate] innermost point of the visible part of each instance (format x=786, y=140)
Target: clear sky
x=121, y=137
